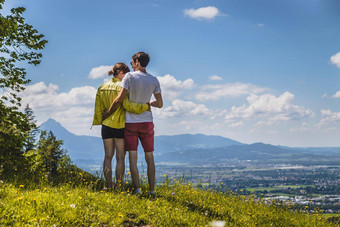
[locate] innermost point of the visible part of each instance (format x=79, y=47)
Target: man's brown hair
x=142, y=57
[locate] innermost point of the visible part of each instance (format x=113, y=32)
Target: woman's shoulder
x=110, y=85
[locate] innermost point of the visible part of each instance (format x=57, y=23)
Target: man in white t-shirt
x=141, y=86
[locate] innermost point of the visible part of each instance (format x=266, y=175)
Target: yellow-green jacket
x=106, y=94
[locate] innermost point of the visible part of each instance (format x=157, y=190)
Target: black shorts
x=108, y=132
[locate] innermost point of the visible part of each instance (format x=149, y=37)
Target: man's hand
x=105, y=115
x=115, y=104
x=158, y=102
x=149, y=106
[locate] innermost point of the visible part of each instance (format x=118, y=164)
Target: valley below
x=305, y=178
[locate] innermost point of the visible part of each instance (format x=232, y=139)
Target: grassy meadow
x=175, y=204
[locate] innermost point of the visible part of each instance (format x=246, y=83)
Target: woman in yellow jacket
x=113, y=126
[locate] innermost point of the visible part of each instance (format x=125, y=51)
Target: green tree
x=34, y=130
x=19, y=43
x=51, y=152
x=49, y=163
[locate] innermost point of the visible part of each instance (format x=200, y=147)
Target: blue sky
x=254, y=71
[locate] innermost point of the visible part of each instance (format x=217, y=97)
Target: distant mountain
x=90, y=147
x=78, y=147
x=165, y=144
x=187, y=148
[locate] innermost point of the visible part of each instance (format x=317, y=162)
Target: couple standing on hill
x=123, y=108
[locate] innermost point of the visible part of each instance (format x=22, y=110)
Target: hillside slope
x=174, y=205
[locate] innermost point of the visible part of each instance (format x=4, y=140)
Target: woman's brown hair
x=120, y=66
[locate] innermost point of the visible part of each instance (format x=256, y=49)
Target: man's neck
x=142, y=69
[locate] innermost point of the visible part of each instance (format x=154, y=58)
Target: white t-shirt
x=141, y=86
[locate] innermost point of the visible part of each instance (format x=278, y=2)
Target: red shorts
x=144, y=131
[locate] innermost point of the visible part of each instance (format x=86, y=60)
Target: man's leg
x=151, y=170
x=133, y=156
x=109, y=147
x=147, y=141
x=120, y=157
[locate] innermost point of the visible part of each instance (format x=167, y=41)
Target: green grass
x=281, y=194
x=176, y=204
x=252, y=190
x=294, y=186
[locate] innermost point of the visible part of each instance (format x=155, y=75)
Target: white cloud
x=172, y=88
x=208, y=13
x=215, y=77
x=40, y=88
x=190, y=125
x=78, y=118
x=324, y=95
x=329, y=116
x=337, y=95
x=73, y=109
x=260, y=25
x=41, y=96
x=182, y=108
x=268, y=109
x=100, y=72
x=303, y=128
x=335, y=59
x=236, y=124
x=215, y=92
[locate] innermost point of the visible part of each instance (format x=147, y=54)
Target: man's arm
x=135, y=108
x=115, y=104
x=158, y=102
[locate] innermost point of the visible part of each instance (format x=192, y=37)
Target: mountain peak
x=51, y=121
x=54, y=126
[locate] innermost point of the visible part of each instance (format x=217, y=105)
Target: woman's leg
x=120, y=157
x=109, y=147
